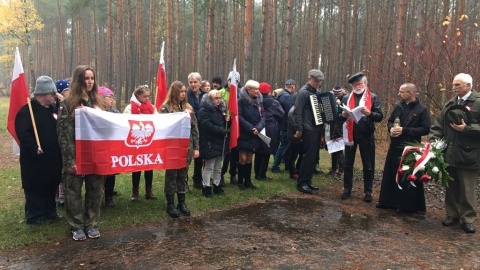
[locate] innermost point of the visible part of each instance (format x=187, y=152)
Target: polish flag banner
x=162, y=89
x=233, y=107
x=18, y=94
x=108, y=143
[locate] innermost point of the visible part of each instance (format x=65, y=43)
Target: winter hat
x=217, y=79
x=337, y=91
x=105, y=92
x=265, y=88
x=62, y=85
x=44, y=86
x=237, y=75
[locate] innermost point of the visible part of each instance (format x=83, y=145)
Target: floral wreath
x=423, y=162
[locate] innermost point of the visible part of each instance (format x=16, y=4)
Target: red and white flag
x=233, y=107
x=18, y=94
x=161, y=81
x=108, y=143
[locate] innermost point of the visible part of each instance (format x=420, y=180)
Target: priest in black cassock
x=414, y=123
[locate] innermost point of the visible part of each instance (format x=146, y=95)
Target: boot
x=233, y=180
x=171, y=210
x=207, y=191
x=149, y=194
x=222, y=181
x=241, y=176
x=134, y=197
x=248, y=176
x=109, y=202
x=218, y=190
x=182, y=207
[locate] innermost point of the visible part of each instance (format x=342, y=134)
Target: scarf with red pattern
x=365, y=100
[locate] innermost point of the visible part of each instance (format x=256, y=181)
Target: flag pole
x=34, y=124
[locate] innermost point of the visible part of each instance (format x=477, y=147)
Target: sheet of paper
x=335, y=145
x=264, y=137
x=355, y=113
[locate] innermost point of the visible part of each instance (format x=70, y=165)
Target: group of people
x=286, y=118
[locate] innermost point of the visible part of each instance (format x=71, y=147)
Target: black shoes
x=207, y=191
x=276, y=170
x=346, y=194
x=312, y=187
x=367, y=197
x=233, y=180
x=218, y=190
x=305, y=189
x=468, y=228
x=449, y=221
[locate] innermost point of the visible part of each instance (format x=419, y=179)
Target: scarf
x=365, y=100
x=141, y=108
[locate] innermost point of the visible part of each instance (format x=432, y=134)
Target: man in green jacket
x=458, y=125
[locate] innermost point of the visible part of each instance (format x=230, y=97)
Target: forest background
x=425, y=42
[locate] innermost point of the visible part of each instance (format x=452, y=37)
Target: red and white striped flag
x=18, y=94
x=233, y=107
x=108, y=143
x=161, y=81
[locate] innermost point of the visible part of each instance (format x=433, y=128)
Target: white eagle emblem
x=141, y=133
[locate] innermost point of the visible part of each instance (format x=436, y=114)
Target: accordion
x=324, y=108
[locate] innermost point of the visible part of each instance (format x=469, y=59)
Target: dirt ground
x=298, y=231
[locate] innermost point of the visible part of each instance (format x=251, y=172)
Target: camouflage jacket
x=66, y=134
x=194, y=135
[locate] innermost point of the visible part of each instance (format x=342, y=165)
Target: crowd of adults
x=286, y=116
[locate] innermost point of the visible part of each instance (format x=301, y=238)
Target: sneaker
x=79, y=235
x=93, y=233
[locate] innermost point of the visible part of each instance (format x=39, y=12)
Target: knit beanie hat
x=265, y=88
x=44, y=86
x=62, y=85
x=105, y=92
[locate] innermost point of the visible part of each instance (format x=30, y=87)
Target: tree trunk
x=247, y=35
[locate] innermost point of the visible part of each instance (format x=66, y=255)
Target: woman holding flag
x=82, y=221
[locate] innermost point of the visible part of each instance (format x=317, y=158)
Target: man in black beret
x=360, y=134
x=460, y=128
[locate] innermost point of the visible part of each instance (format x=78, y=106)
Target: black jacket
x=213, y=132
x=365, y=127
x=414, y=119
x=192, y=99
x=303, y=118
x=44, y=170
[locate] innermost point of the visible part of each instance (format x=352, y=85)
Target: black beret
x=355, y=77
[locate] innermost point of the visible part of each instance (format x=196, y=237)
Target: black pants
x=337, y=161
x=110, y=185
x=295, y=151
x=260, y=165
x=148, y=175
x=197, y=170
x=311, y=141
x=367, y=153
x=232, y=159
x=40, y=204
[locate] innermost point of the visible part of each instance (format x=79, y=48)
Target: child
x=176, y=179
